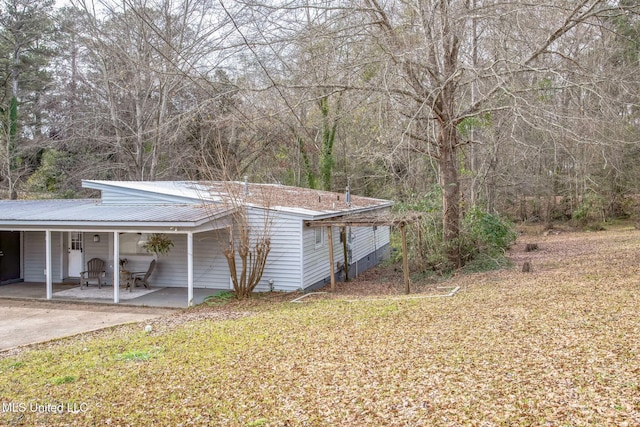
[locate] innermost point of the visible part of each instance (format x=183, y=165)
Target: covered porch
x=53, y=240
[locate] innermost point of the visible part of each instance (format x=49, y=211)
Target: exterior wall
x=209, y=264
x=283, y=262
x=57, y=240
x=101, y=249
x=58, y=255
x=34, y=256
x=316, y=257
x=293, y=263
x=369, y=247
x=114, y=197
x=210, y=269
x=366, y=240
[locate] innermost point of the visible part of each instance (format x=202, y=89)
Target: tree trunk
x=13, y=124
x=139, y=143
x=447, y=142
x=329, y=127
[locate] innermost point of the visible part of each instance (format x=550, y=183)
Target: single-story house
x=50, y=241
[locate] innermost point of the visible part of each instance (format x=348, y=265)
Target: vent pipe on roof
x=246, y=185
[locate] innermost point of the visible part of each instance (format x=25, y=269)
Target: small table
x=125, y=276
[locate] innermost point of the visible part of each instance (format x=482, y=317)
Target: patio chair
x=143, y=276
x=95, y=271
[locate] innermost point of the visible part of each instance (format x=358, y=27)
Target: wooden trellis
x=368, y=220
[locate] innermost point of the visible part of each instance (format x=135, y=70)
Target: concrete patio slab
x=161, y=297
x=27, y=322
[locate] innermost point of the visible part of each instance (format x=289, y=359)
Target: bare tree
x=251, y=220
x=459, y=61
x=249, y=243
x=443, y=65
x=249, y=232
x=154, y=69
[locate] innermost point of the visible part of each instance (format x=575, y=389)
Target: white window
x=76, y=241
x=319, y=236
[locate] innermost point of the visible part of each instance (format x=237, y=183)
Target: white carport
x=90, y=216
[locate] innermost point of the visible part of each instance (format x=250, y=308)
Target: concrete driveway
x=27, y=322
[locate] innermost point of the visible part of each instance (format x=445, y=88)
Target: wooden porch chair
x=142, y=277
x=95, y=271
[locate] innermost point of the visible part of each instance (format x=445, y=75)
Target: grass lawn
x=559, y=346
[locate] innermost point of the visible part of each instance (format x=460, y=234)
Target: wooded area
x=525, y=109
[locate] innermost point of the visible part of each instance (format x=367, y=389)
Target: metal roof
x=90, y=211
x=190, y=204
x=303, y=202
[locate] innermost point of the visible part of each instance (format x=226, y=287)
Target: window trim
x=319, y=244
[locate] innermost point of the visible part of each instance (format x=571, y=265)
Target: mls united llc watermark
x=44, y=408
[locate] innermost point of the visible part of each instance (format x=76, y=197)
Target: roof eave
x=19, y=225
x=322, y=215
x=350, y=211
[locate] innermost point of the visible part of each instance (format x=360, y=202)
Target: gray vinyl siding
x=57, y=247
x=133, y=197
x=283, y=262
x=365, y=242
x=171, y=269
x=34, y=256
x=210, y=268
x=316, y=259
x=209, y=264
x=101, y=249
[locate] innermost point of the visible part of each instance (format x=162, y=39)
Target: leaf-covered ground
x=557, y=346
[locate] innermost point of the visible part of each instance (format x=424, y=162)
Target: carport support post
x=331, y=270
x=189, y=269
x=49, y=275
x=116, y=267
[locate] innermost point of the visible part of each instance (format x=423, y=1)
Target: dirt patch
x=557, y=248
x=383, y=281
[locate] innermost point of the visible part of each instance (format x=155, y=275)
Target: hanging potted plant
x=158, y=243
